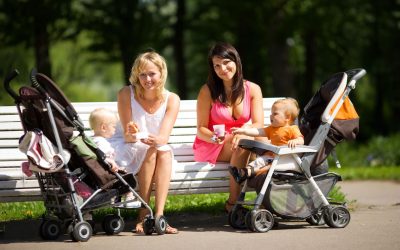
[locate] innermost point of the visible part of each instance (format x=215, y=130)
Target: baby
x=103, y=122
x=281, y=132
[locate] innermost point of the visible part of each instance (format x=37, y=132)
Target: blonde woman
x=147, y=114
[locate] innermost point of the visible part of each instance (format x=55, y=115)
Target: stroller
x=72, y=173
x=298, y=182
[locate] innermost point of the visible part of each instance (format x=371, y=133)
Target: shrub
x=379, y=151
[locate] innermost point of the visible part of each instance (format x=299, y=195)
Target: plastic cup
x=219, y=130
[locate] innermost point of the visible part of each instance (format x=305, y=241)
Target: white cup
x=142, y=135
x=219, y=130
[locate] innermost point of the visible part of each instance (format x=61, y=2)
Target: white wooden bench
x=188, y=177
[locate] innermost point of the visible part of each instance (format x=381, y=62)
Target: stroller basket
x=292, y=196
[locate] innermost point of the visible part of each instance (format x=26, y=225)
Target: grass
x=369, y=173
x=202, y=203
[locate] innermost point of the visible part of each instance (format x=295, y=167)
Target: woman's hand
x=132, y=127
x=235, y=140
x=153, y=140
x=218, y=139
x=130, y=138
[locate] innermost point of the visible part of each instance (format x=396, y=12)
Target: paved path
x=375, y=224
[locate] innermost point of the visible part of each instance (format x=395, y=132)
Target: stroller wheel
x=262, y=220
x=148, y=225
x=236, y=217
x=316, y=219
x=50, y=229
x=337, y=217
x=82, y=231
x=248, y=221
x=160, y=224
x=113, y=224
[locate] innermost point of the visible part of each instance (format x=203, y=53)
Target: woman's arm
x=254, y=132
x=168, y=121
x=125, y=112
x=203, y=113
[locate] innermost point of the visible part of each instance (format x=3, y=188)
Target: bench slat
x=19, y=184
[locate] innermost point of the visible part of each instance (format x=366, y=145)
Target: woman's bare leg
x=237, y=158
x=162, y=178
x=145, y=177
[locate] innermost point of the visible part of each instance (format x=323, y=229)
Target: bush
x=379, y=151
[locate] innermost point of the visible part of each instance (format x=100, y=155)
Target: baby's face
x=109, y=127
x=278, y=117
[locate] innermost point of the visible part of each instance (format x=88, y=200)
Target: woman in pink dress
x=226, y=99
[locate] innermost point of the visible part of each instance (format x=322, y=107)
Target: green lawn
x=209, y=203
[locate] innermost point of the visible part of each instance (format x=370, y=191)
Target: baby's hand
x=122, y=170
x=114, y=167
x=292, y=143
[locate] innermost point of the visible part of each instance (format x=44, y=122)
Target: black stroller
x=80, y=167
x=297, y=183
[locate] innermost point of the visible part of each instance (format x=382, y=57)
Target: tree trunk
x=179, y=50
x=41, y=46
x=305, y=92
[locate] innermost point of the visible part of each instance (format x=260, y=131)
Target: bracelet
x=214, y=138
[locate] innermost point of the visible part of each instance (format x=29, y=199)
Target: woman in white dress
x=144, y=149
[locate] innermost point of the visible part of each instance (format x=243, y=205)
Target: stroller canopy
x=345, y=125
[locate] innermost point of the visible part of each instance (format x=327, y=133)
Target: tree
x=122, y=29
x=179, y=49
x=35, y=24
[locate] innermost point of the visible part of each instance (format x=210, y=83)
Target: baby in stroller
x=294, y=187
x=282, y=131
x=103, y=123
x=43, y=108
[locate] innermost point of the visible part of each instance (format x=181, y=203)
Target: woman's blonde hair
x=291, y=107
x=140, y=62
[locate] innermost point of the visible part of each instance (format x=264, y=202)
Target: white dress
x=131, y=155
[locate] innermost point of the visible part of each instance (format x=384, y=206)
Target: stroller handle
x=35, y=83
x=7, y=81
x=355, y=75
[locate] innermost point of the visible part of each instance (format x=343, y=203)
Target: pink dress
x=219, y=114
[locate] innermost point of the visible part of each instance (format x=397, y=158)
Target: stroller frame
x=292, y=163
x=57, y=200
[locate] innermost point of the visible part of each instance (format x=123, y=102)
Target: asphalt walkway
x=375, y=224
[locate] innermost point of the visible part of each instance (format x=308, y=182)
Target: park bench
x=188, y=176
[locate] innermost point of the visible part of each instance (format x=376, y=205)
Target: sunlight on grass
x=21, y=210
x=201, y=203
x=369, y=173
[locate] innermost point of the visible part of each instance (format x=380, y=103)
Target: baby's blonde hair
x=99, y=116
x=291, y=107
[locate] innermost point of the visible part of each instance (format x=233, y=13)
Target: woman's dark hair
x=215, y=84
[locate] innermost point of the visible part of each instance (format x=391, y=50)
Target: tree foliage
x=288, y=47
